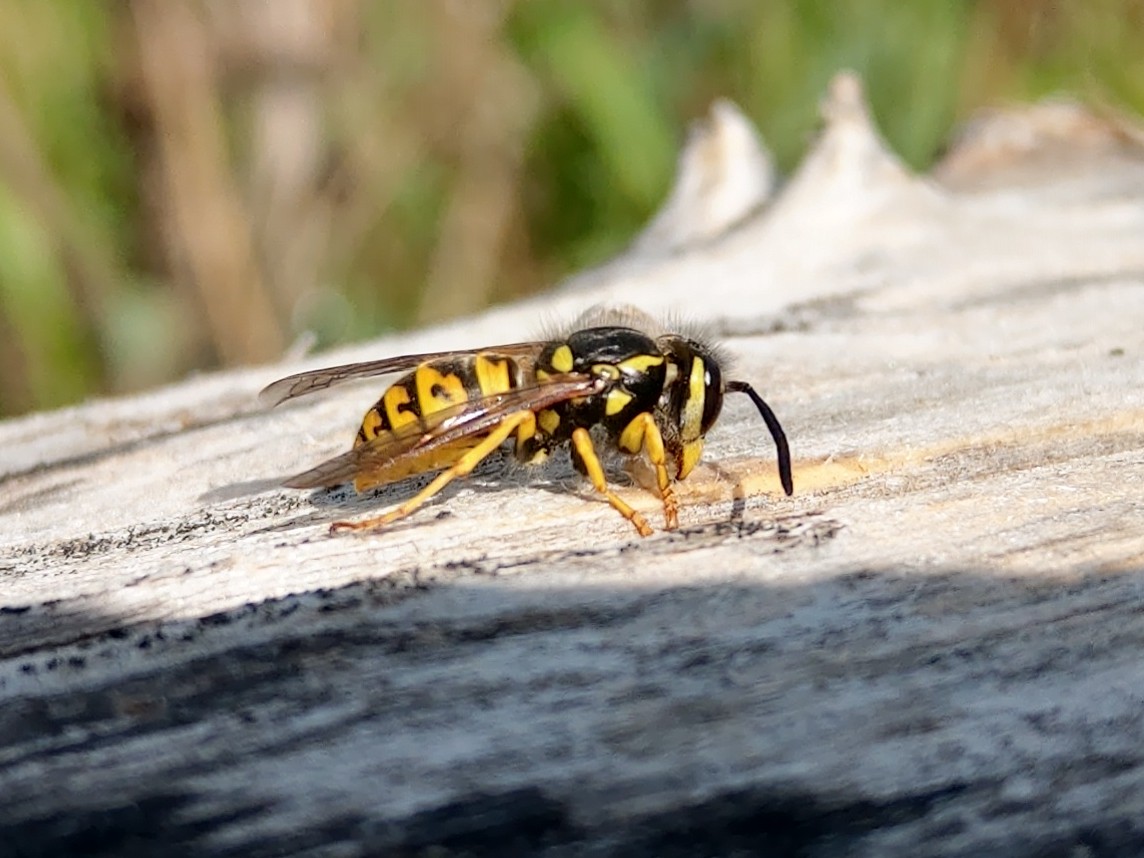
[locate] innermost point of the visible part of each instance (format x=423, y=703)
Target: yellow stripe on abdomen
x=493, y=375
x=371, y=424
x=562, y=359
x=397, y=396
x=437, y=390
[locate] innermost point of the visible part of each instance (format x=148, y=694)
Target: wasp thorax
x=628, y=360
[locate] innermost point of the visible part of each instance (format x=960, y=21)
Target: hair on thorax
x=630, y=316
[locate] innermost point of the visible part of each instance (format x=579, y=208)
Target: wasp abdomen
x=435, y=386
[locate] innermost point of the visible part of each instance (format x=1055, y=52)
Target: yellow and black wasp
x=626, y=386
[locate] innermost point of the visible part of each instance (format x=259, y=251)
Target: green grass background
x=187, y=184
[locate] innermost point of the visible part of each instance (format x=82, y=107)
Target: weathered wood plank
x=933, y=647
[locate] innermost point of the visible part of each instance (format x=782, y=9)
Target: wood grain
x=933, y=648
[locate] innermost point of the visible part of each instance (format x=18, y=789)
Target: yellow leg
x=582, y=441
x=463, y=467
x=653, y=447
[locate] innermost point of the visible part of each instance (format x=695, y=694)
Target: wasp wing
x=314, y=380
x=442, y=438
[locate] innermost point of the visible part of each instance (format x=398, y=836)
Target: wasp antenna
x=776, y=431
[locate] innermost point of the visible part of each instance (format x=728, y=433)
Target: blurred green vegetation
x=186, y=184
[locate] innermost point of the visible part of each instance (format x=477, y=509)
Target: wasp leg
x=463, y=467
x=643, y=426
x=582, y=442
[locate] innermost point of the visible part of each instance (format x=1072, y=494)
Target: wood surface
x=934, y=648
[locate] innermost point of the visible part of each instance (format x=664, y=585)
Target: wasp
x=616, y=383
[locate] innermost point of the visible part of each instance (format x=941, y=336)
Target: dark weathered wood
x=933, y=648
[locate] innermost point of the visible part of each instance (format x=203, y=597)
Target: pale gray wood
x=933, y=648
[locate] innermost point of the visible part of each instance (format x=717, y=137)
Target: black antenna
x=776, y=431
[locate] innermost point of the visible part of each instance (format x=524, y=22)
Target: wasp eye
x=712, y=394
x=701, y=397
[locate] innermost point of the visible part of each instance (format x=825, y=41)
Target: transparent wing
x=439, y=441
x=321, y=379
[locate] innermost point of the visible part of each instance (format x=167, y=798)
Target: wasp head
x=692, y=398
